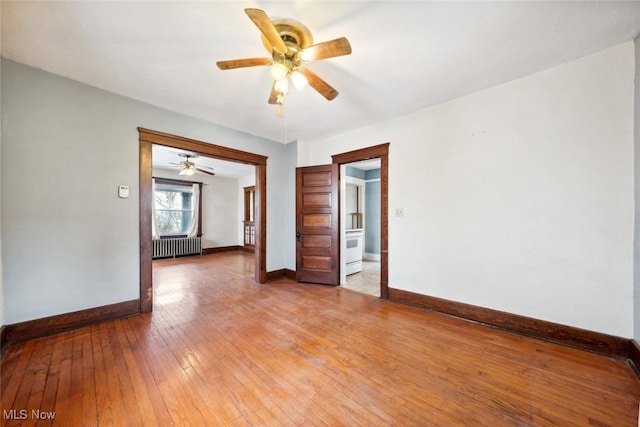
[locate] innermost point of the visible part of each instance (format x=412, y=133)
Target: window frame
x=183, y=183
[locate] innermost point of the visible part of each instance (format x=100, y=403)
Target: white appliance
x=354, y=250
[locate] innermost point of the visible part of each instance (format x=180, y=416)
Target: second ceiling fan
x=188, y=168
x=291, y=47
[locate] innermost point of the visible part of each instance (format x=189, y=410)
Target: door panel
x=317, y=225
x=320, y=200
x=316, y=221
x=311, y=241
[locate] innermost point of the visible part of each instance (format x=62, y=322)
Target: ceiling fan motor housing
x=294, y=35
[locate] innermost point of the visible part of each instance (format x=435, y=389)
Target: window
x=249, y=212
x=176, y=208
x=249, y=203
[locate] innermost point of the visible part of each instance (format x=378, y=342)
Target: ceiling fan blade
x=324, y=50
x=241, y=63
x=204, y=171
x=318, y=84
x=273, y=96
x=264, y=24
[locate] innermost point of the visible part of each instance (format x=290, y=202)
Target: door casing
x=149, y=137
x=382, y=152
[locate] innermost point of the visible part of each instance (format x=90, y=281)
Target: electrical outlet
x=399, y=212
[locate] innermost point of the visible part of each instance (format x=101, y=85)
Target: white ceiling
x=167, y=157
x=406, y=55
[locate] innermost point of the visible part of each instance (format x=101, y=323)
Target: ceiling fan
x=189, y=168
x=291, y=47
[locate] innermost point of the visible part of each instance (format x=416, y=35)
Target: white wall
x=1, y=274
x=636, y=242
x=220, y=214
x=69, y=242
x=289, y=197
x=517, y=198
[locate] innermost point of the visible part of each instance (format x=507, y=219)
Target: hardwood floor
x=219, y=349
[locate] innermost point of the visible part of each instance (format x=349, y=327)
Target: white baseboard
x=371, y=257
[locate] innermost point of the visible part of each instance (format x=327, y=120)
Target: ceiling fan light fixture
x=282, y=86
x=298, y=79
x=305, y=56
x=279, y=71
x=187, y=170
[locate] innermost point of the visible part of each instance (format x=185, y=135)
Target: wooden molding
x=290, y=274
x=218, y=249
x=634, y=356
x=146, y=210
x=380, y=151
x=260, y=223
x=38, y=328
x=3, y=340
x=149, y=137
x=362, y=154
x=583, y=339
x=200, y=147
x=283, y=273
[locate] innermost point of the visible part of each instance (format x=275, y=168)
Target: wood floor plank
x=13, y=372
x=124, y=404
x=149, y=404
x=219, y=349
x=54, y=376
x=89, y=371
x=101, y=380
x=32, y=385
x=68, y=404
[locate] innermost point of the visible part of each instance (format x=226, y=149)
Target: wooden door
x=317, y=225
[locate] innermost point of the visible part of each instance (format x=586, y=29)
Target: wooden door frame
x=149, y=137
x=382, y=152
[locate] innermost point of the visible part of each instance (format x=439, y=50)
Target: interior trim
x=3, y=340
x=583, y=339
x=382, y=152
x=634, y=356
x=283, y=273
x=218, y=249
x=201, y=147
x=38, y=328
x=149, y=137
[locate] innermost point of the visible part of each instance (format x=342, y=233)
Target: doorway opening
x=380, y=152
x=360, y=230
x=147, y=139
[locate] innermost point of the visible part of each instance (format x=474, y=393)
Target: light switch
x=399, y=212
x=123, y=191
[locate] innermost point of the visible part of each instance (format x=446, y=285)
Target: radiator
x=163, y=248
